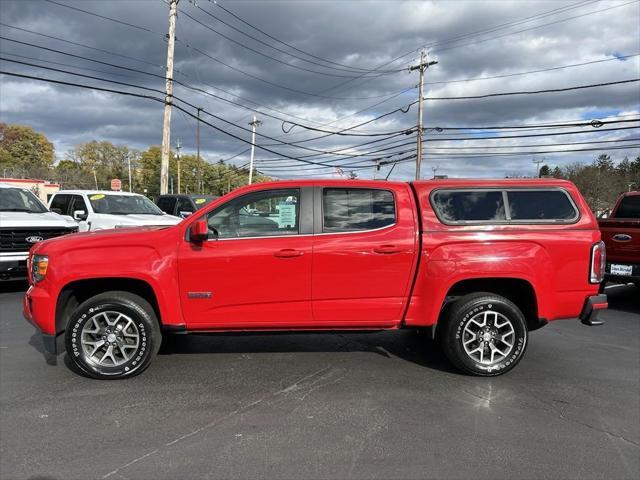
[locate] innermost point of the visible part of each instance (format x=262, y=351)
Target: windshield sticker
x=200, y=201
x=99, y=196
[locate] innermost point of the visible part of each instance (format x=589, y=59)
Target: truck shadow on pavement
x=413, y=346
x=624, y=298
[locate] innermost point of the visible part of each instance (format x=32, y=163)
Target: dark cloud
x=358, y=33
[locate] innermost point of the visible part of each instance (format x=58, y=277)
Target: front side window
x=260, y=214
x=167, y=204
x=354, y=209
x=60, y=204
x=629, y=207
x=540, y=205
x=184, y=205
x=469, y=206
x=123, y=204
x=19, y=200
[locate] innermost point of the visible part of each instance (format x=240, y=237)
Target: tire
x=466, y=325
x=113, y=335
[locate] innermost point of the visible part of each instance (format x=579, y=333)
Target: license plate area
x=622, y=270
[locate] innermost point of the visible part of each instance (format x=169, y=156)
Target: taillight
x=598, y=262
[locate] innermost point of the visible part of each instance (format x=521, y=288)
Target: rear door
x=364, y=252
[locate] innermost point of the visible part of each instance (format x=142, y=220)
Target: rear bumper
x=616, y=276
x=592, y=307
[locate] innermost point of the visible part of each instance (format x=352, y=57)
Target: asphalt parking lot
x=381, y=405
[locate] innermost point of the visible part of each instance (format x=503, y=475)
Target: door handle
x=288, y=253
x=386, y=249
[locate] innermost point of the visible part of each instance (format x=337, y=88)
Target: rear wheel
x=113, y=335
x=484, y=334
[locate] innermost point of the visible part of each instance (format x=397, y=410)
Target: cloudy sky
x=332, y=65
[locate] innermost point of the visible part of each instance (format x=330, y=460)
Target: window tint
x=77, y=203
x=60, y=204
x=540, y=205
x=184, y=205
x=352, y=209
x=259, y=214
x=629, y=207
x=469, y=206
x=167, y=204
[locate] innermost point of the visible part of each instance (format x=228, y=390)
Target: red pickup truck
x=480, y=262
x=621, y=234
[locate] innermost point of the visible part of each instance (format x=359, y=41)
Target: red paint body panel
x=385, y=278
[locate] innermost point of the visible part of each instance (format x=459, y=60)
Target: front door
x=255, y=269
x=364, y=253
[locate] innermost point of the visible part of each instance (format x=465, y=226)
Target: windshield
x=201, y=201
x=629, y=207
x=19, y=200
x=123, y=204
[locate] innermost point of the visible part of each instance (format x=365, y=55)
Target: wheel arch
x=519, y=291
x=76, y=292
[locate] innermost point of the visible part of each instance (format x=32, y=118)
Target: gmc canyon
x=479, y=262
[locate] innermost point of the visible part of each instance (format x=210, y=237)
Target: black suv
x=182, y=205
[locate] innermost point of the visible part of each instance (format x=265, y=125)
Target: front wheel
x=484, y=334
x=113, y=335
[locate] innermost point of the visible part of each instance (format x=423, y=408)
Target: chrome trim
x=622, y=237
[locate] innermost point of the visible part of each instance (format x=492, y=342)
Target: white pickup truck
x=100, y=210
x=25, y=221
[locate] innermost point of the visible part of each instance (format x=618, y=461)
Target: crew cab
x=99, y=210
x=478, y=262
x=621, y=233
x=24, y=221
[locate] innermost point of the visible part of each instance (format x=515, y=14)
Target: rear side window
x=353, y=209
x=629, y=207
x=540, y=205
x=504, y=206
x=469, y=206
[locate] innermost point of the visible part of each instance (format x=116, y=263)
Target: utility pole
x=168, y=100
x=254, y=124
x=538, y=162
x=178, y=147
x=129, y=164
x=424, y=64
x=198, y=153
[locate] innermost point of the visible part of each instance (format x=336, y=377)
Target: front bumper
x=35, y=307
x=592, y=307
x=13, y=266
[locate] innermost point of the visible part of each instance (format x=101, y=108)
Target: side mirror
x=185, y=214
x=79, y=215
x=199, y=231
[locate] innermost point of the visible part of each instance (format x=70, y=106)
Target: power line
x=217, y=4
x=178, y=83
x=291, y=65
x=347, y=69
x=534, y=92
x=121, y=22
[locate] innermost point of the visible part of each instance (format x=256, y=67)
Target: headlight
x=39, y=265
